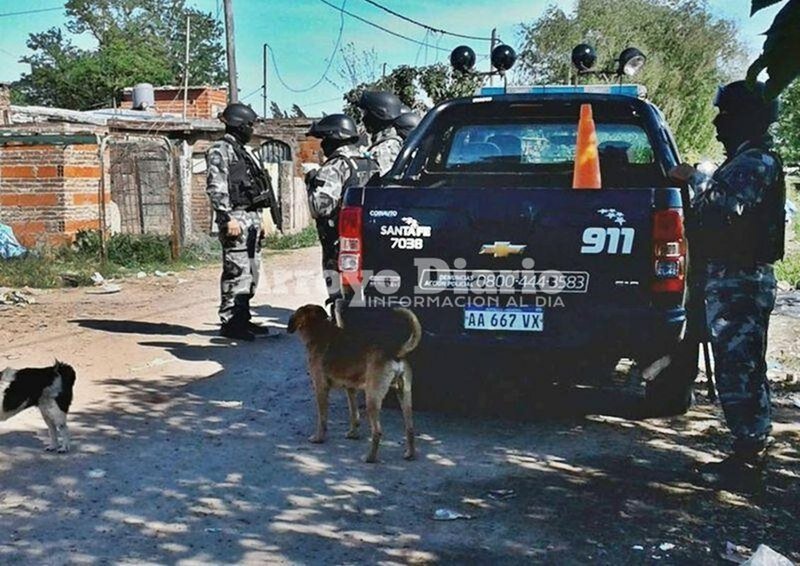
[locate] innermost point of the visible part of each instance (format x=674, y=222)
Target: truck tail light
x=669, y=252
x=350, y=245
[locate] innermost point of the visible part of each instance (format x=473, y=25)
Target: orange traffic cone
x=587, y=158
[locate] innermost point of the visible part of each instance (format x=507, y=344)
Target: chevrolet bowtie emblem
x=502, y=249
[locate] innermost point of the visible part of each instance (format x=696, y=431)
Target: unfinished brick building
x=62, y=171
x=202, y=101
x=50, y=186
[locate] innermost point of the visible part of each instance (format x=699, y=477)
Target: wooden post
x=101, y=197
x=233, y=89
x=175, y=247
x=186, y=67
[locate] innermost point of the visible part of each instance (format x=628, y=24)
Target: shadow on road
x=220, y=471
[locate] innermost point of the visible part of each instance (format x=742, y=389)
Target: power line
x=427, y=27
x=39, y=11
x=318, y=102
x=251, y=94
x=390, y=32
x=330, y=59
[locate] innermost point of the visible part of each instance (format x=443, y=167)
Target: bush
x=127, y=250
x=303, y=239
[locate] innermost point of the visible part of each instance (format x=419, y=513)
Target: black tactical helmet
x=738, y=98
x=384, y=106
x=334, y=126
x=238, y=114
x=406, y=122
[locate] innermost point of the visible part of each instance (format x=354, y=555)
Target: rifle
x=697, y=328
x=265, y=196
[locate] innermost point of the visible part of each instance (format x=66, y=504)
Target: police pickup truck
x=479, y=230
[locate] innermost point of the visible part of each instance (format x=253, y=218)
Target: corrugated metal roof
x=16, y=138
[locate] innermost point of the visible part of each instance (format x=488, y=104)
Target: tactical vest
x=362, y=170
x=755, y=237
x=773, y=219
x=248, y=186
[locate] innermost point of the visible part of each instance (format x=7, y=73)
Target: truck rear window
x=523, y=146
x=531, y=143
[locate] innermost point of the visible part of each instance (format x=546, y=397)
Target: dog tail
x=416, y=332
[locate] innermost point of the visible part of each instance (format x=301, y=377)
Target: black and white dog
x=48, y=388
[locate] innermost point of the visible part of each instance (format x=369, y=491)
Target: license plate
x=528, y=319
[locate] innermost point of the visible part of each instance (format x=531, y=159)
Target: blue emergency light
x=634, y=90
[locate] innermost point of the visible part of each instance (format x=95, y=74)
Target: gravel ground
x=189, y=449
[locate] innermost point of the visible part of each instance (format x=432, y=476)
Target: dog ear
x=292, y=326
x=66, y=372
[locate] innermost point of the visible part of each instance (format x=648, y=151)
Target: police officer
x=740, y=235
x=344, y=165
x=406, y=123
x=238, y=188
x=381, y=109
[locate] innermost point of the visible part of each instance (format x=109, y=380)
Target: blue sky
x=302, y=34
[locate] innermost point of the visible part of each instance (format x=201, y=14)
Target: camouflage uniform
x=738, y=219
x=325, y=192
x=385, y=148
x=241, y=256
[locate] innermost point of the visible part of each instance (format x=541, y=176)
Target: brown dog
x=338, y=357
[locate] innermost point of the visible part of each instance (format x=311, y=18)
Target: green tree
x=689, y=54
x=415, y=86
x=137, y=41
x=787, y=132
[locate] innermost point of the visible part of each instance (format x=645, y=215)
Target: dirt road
x=188, y=449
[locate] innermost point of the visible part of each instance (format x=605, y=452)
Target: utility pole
x=186, y=68
x=492, y=45
x=264, y=85
x=233, y=89
x=383, y=74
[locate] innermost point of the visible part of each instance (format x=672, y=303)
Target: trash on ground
x=228, y=404
x=449, y=515
x=9, y=246
x=791, y=210
x=735, y=553
x=788, y=304
x=159, y=274
x=666, y=546
x=96, y=473
x=141, y=275
x=765, y=556
x=107, y=289
x=213, y=530
x=16, y=298
x=97, y=278
x=501, y=494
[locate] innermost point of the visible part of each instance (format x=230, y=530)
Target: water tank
x=144, y=97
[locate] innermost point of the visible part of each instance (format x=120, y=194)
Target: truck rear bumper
x=639, y=334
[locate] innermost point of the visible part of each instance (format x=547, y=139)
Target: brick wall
x=200, y=205
x=293, y=132
x=49, y=192
x=202, y=102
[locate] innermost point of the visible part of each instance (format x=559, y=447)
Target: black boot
x=257, y=329
x=236, y=330
x=742, y=470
